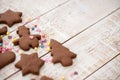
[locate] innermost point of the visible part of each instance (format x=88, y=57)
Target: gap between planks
x=44, y=13
x=73, y=36
x=101, y=67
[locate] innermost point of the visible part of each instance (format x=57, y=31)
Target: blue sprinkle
x=1, y=44
x=33, y=28
x=42, y=46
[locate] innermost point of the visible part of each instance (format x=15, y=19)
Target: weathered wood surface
x=30, y=8
x=65, y=22
x=92, y=49
x=110, y=71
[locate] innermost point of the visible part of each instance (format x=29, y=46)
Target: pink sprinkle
x=0, y=49
x=38, y=18
x=35, y=26
x=38, y=30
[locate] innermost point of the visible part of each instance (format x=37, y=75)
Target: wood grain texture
x=92, y=53
x=29, y=8
x=65, y=22
x=110, y=71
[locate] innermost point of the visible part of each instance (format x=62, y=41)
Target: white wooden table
x=89, y=28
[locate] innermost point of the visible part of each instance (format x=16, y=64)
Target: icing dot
x=31, y=37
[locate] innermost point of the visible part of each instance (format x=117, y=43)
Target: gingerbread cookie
x=45, y=78
x=61, y=54
x=10, y=17
x=30, y=64
x=26, y=41
x=6, y=58
x=3, y=30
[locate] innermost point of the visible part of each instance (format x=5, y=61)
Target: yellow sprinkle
x=35, y=48
x=28, y=19
x=48, y=43
x=48, y=48
x=63, y=78
x=13, y=39
x=1, y=36
x=8, y=33
x=21, y=52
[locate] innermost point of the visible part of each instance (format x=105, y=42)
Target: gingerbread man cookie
x=26, y=41
x=61, y=54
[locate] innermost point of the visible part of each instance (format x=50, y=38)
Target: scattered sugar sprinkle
x=35, y=48
x=8, y=33
x=63, y=78
x=9, y=37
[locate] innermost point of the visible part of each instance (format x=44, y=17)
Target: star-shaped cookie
x=45, y=78
x=30, y=64
x=10, y=17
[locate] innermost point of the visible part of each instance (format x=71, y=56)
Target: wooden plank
x=111, y=71
x=30, y=8
x=92, y=53
x=53, y=22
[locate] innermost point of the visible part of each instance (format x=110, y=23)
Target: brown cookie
x=3, y=30
x=61, y=54
x=6, y=58
x=26, y=41
x=10, y=17
x=30, y=64
x=45, y=78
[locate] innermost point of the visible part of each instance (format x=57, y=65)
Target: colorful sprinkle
x=33, y=28
x=35, y=48
x=8, y=33
x=63, y=78
x=38, y=30
x=1, y=44
x=13, y=39
x=0, y=49
x=48, y=48
x=75, y=73
x=9, y=37
x=43, y=35
x=48, y=43
x=28, y=19
x=1, y=36
x=42, y=46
